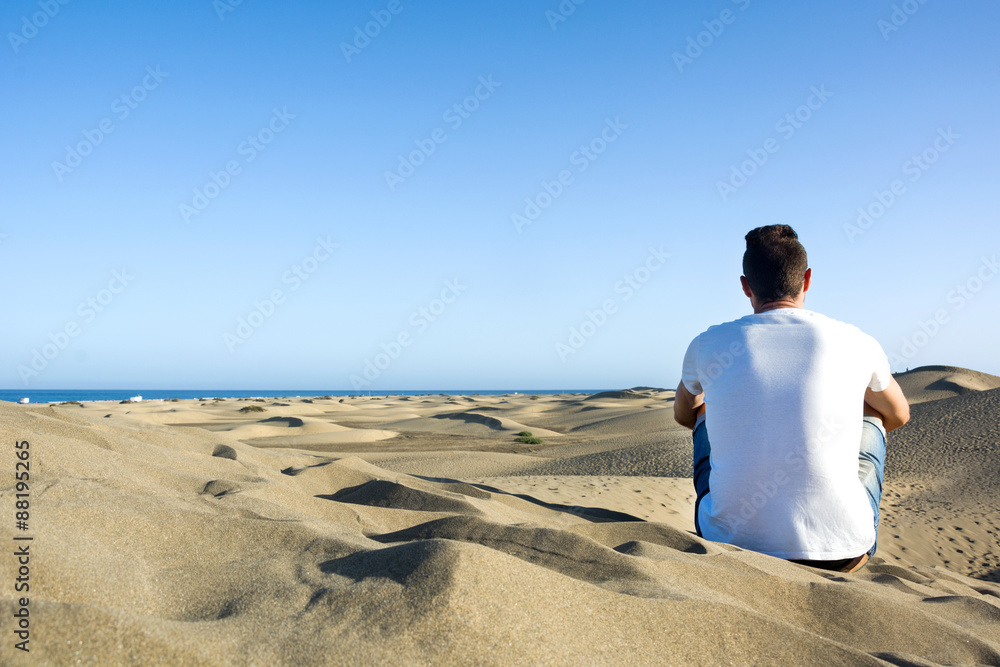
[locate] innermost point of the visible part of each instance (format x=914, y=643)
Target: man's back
x=784, y=391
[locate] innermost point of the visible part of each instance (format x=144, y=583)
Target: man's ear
x=808, y=280
x=746, y=287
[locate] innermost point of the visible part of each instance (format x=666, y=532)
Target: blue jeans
x=871, y=466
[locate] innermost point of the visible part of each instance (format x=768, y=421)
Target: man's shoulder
x=789, y=317
x=731, y=325
x=821, y=320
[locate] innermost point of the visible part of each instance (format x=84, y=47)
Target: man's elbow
x=900, y=418
x=685, y=418
x=687, y=415
x=904, y=415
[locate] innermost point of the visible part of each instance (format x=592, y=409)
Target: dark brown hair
x=775, y=262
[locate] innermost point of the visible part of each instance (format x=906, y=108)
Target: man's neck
x=781, y=303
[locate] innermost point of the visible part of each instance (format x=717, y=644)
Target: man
x=798, y=406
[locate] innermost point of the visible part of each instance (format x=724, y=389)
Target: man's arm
x=889, y=405
x=687, y=406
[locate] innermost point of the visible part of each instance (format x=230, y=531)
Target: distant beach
x=64, y=395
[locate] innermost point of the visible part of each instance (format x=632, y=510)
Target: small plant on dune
x=175, y=400
x=259, y=400
x=534, y=398
x=525, y=434
x=252, y=408
x=72, y=403
x=529, y=441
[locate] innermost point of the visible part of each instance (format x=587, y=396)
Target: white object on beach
x=136, y=399
x=24, y=401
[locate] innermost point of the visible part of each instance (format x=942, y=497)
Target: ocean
x=62, y=395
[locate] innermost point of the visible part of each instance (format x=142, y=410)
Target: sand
x=417, y=530
x=930, y=383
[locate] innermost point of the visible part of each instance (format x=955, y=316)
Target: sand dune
x=619, y=395
x=667, y=500
x=471, y=423
x=931, y=383
x=164, y=544
x=302, y=432
x=497, y=423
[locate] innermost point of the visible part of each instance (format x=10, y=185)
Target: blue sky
x=249, y=148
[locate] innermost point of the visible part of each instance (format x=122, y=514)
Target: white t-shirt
x=784, y=391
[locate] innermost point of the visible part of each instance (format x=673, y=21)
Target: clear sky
x=482, y=195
